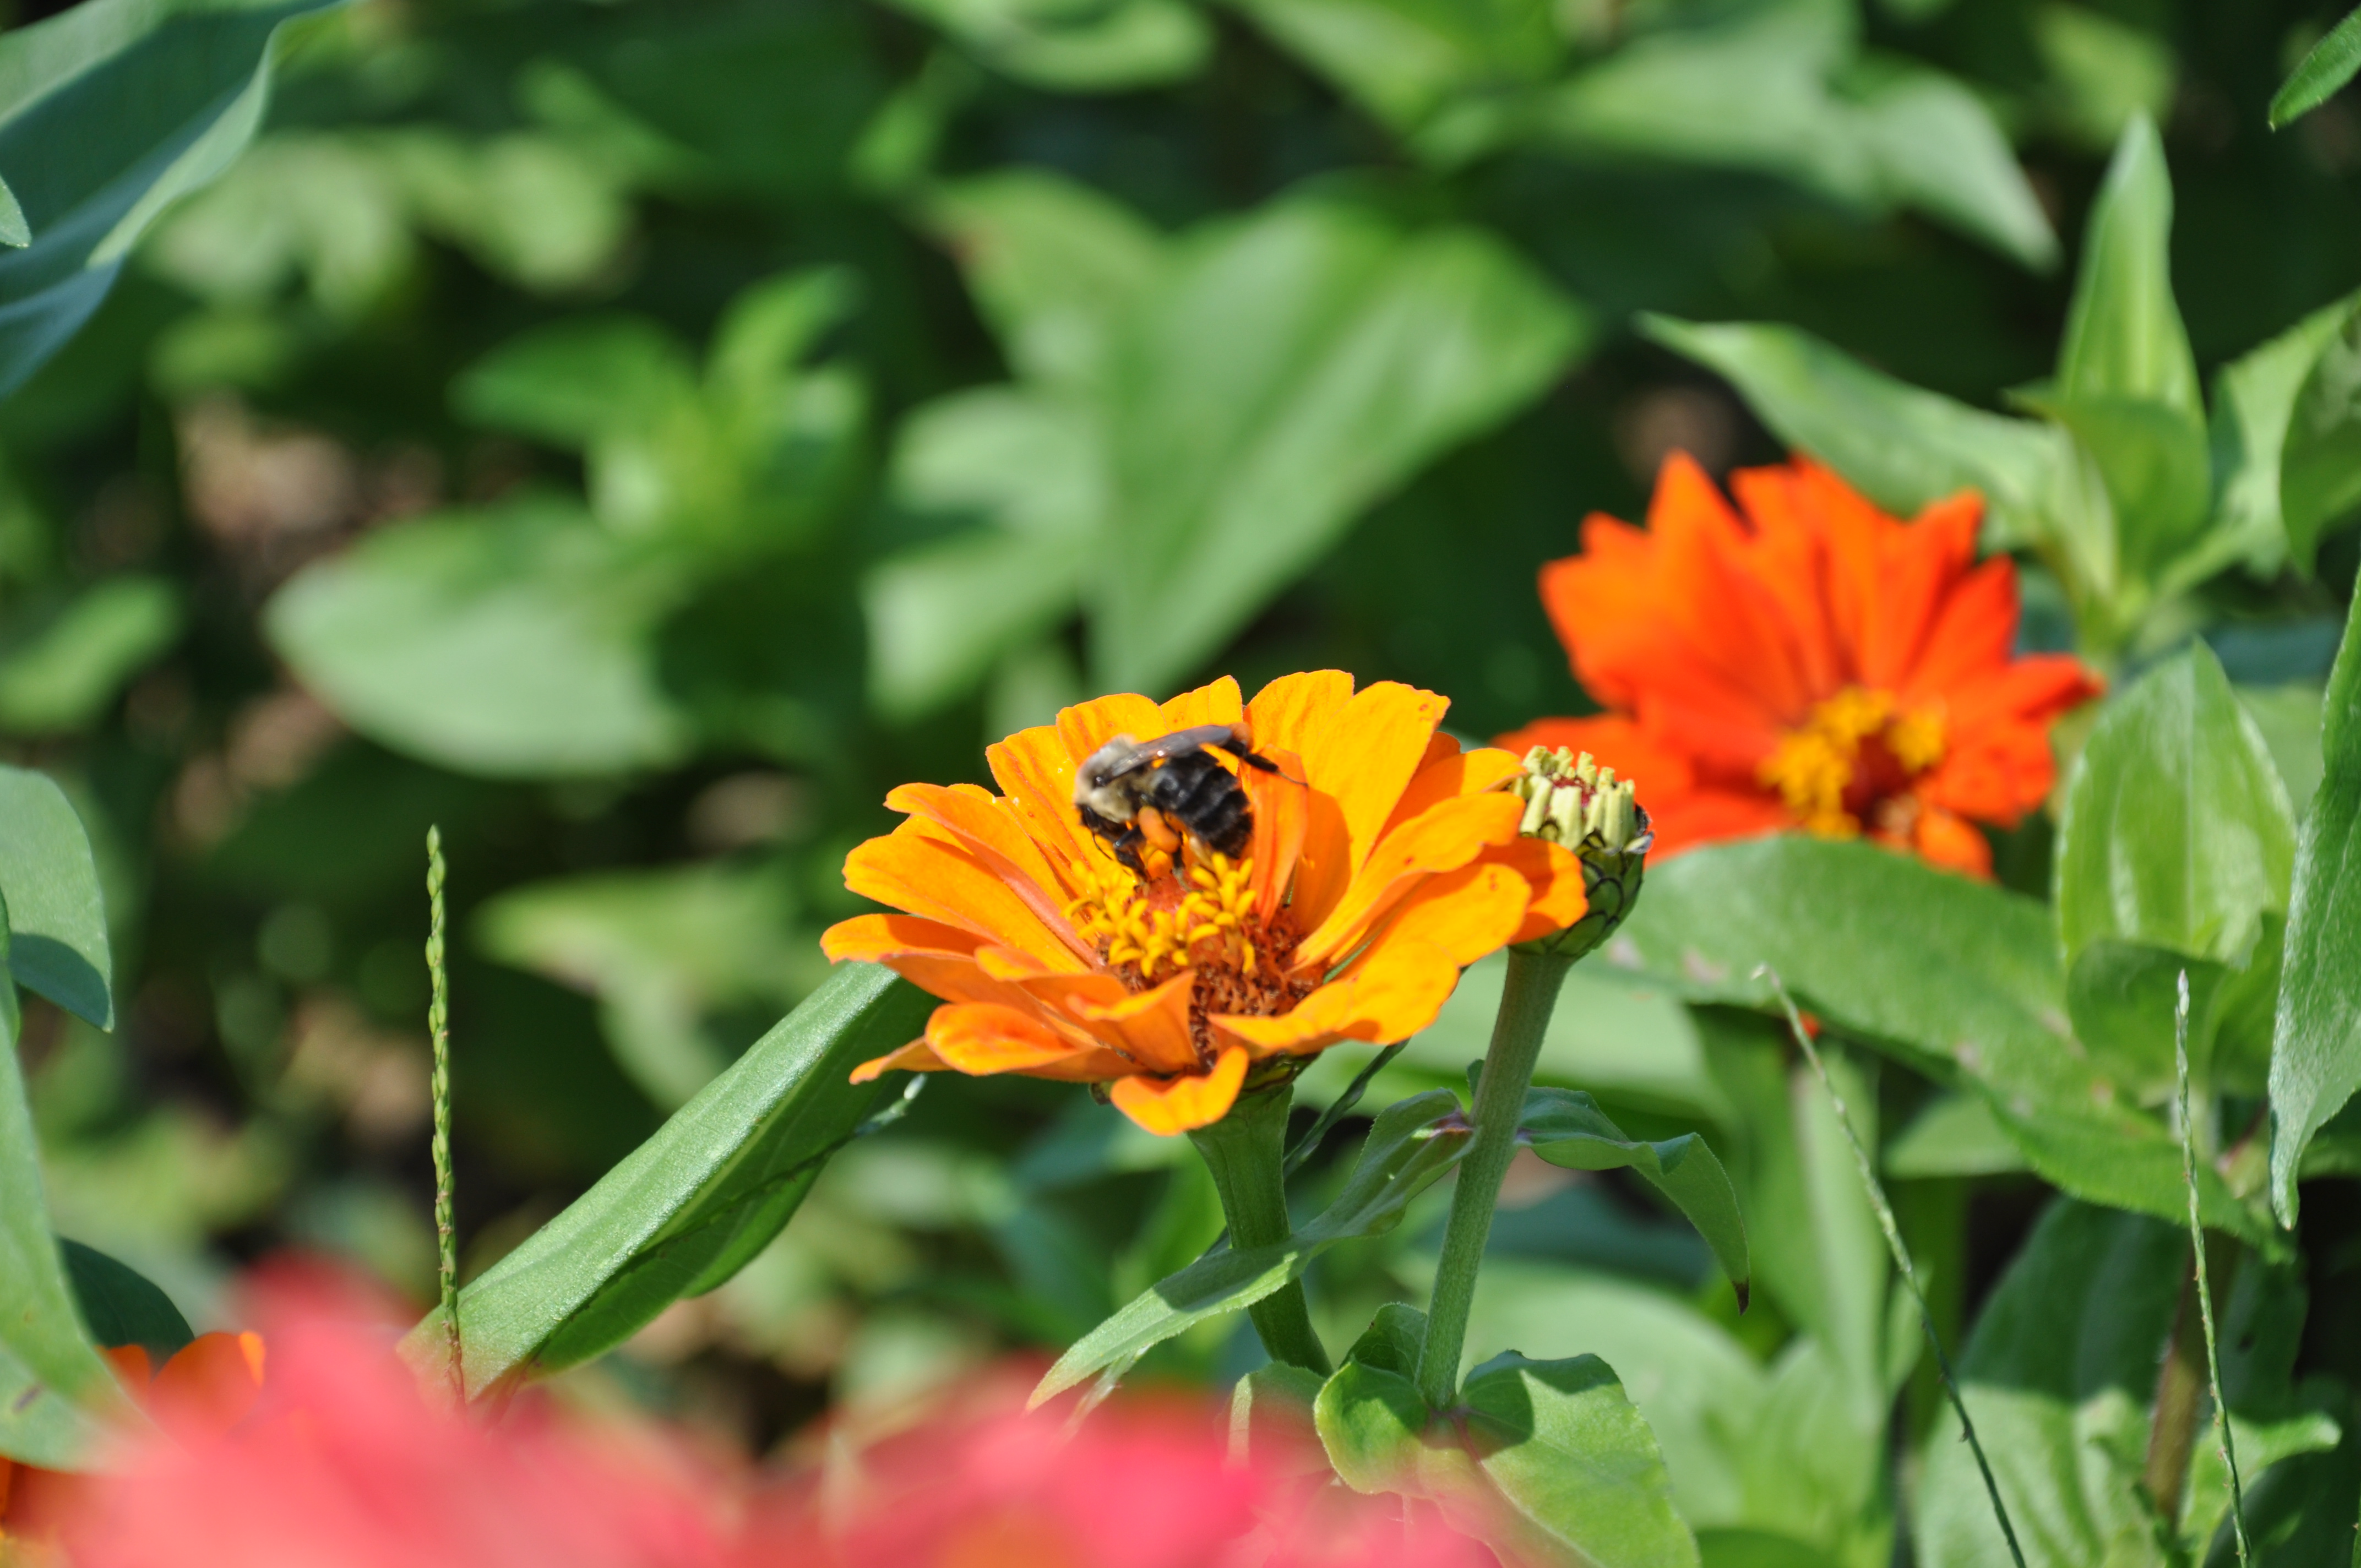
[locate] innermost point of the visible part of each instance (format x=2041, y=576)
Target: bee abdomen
x=1205, y=799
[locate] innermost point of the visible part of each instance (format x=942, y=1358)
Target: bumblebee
x=1133, y=793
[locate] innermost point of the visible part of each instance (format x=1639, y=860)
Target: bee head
x=1106, y=782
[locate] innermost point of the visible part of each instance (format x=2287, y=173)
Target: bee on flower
x=1256, y=883
x=1803, y=661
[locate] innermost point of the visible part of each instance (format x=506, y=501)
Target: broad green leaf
x=2316, y=78
x=1971, y=985
x=1956, y=1134
x=63, y=671
x=1289, y=370
x=1109, y=46
x=1411, y=1144
x=686, y=1209
x=1053, y=265
x=1567, y=1128
x=1406, y=61
x=49, y=1372
x=110, y=111
x=517, y=640
x=2288, y=718
x=1901, y=446
x=2316, y=1045
x=2177, y=832
x=2058, y=1377
x=1027, y=464
x=2253, y=398
x=661, y=949
x=2124, y=336
x=575, y=380
x=2320, y=467
x=2153, y=460
x=1780, y=88
x=57, y=916
x=1548, y=1460
x=121, y=1306
x=2101, y=71
x=13, y=230
x=1270, y=1415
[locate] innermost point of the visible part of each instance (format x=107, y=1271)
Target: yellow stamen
x=1816, y=763
x=1118, y=917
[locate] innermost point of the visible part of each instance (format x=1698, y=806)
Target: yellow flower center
x=1212, y=920
x=1850, y=755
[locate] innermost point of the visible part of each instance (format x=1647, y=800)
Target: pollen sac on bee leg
x=1571, y=800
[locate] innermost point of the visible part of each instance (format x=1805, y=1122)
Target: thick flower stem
x=1245, y=1151
x=1527, y=998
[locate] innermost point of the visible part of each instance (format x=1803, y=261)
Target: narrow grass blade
x=2204, y=1288
x=1900, y=1254
x=438, y=1030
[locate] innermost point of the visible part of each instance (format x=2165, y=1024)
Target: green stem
x=438, y=1030
x=1527, y=997
x=1243, y=1151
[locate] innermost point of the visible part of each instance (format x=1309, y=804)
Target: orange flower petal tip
x=1803, y=660
x=208, y=1386
x=1168, y=1105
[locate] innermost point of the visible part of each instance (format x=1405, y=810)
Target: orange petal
x=1282, y=805
x=981, y=1037
x=1392, y=996
x=1443, y=839
x=1952, y=842
x=1038, y=778
x=1214, y=704
x=1555, y=892
x=1467, y=913
x=1169, y=1105
x=921, y=869
x=872, y=939
x=1087, y=726
x=132, y=1369
x=1151, y=1028
x=912, y=1057
x=991, y=832
x=1453, y=773
x=1293, y=707
x=1367, y=754
x=208, y=1386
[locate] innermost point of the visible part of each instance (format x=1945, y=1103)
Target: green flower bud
x=1571, y=800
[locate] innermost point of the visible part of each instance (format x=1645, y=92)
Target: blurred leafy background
x=636, y=435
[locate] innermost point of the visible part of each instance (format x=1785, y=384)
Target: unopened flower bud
x=1571, y=800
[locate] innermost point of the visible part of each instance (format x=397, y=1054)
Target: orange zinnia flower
x=1811, y=663
x=1382, y=859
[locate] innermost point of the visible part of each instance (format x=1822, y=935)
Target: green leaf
x=686, y=1209
x=1971, y=986
x=2320, y=467
x=2316, y=1044
x=1052, y=264
x=122, y=1306
x=2177, y=831
x=1782, y=89
x=1287, y=371
x=2124, y=336
x=2327, y=67
x=110, y=111
x=1110, y=46
x=1413, y=1142
x=48, y=1369
x=1899, y=446
x=1407, y=61
x=1567, y=1128
x=1548, y=1460
x=62, y=672
x=575, y=380
x=1272, y=1405
x=2154, y=461
x=942, y=615
x=517, y=640
x=57, y=916
x=1956, y=1134
x=2253, y=402
x=2058, y=1377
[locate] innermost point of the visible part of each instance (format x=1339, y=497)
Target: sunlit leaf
x=2124, y=336
x=57, y=915
x=2328, y=67
x=518, y=641
x=2316, y=1050
x=63, y=671
x=1103, y=46
x=109, y=112
x=1405, y=60
x=1288, y=371
x=1567, y=1128
x=2320, y=467
x=2254, y=402
x=686, y=1209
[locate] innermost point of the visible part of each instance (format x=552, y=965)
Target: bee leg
x=1126, y=846
x=1151, y=824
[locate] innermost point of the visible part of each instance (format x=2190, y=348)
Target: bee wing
x=1180, y=742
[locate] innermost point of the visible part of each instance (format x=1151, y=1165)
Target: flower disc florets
x=1571, y=800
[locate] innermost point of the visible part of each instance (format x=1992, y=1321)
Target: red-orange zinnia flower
x=1382, y=859
x=1807, y=661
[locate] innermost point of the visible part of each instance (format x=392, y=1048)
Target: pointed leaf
x=2124, y=336
x=2316, y=1046
x=2177, y=832
x=2254, y=403
x=121, y=1306
x=685, y=1210
x=1567, y=1128
x=2317, y=76
x=109, y=112
x=57, y=916
x=1413, y=1142
x=2320, y=467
